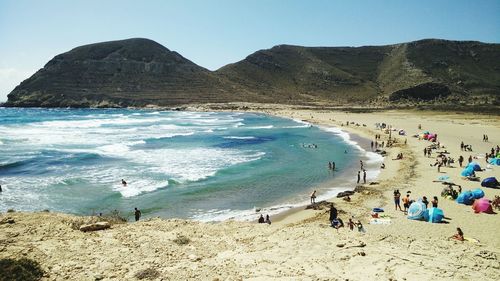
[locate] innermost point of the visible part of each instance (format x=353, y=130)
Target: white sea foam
x=134, y=188
x=190, y=164
x=261, y=127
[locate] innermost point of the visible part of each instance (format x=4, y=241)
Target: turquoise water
x=201, y=165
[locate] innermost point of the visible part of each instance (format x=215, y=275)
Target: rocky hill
x=141, y=72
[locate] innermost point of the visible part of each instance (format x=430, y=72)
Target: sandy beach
x=301, y=245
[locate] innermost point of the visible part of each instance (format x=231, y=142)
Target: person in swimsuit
x=313, y=197
x=434, y=202
x=459, y=235
x=406, y=202
x=397, y=197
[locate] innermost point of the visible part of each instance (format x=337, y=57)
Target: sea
x=206, y=166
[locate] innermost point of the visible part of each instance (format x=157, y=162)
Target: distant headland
x=140, y=72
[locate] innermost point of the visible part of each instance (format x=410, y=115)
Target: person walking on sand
x=364, y=176
x=359, y=176
x=137, y=214
x=313, y=197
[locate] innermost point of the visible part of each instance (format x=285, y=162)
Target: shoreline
x=302, y=245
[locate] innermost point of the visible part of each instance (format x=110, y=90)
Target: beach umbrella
x=475, y=166
x=477, y=193
x=466, y=198
x=416, y=210
x=482, y=205
x=490, y=182
x=434, y=215
x=467, y=172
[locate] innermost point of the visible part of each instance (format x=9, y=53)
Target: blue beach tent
x=467, y=172
x=494, y=161
x=490, y=182
x=466, y=198
x=434, y=215
x=475, y=166
x=416, y=210
x=477, y=193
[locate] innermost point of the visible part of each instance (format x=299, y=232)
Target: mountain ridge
x=141, y=72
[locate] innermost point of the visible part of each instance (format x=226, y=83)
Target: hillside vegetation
x=141, y=72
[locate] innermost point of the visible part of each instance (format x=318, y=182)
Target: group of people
x=407, y=201
x=266, y=220
x=331, y=166
x=337, y=222
x=465, y=147
x=485, y=138
x=364, y=176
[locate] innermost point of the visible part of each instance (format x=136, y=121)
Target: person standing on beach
x=333, y=213
x=364, y=176
x=470, y=158
x=460, y=160
x=359, y=176
x=137, y=214
x=361, y=164
x=268, y=220
x=425, y=201
x=261, y=219
x=397, y=199
x=313, y=197
x=406, y=202
x=371, y=145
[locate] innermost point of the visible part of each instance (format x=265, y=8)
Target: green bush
x=20, y=270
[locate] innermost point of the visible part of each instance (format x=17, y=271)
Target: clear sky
x=213, y=33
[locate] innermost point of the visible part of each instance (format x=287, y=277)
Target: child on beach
x=459, y=235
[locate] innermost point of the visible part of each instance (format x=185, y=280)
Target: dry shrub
x=181, y=240
x=20, y=270
x=148, y=273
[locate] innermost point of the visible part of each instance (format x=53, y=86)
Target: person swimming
x=124, y=183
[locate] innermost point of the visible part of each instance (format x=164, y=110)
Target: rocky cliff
x=141, y=72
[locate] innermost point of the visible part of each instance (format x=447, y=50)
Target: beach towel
x=385, y=221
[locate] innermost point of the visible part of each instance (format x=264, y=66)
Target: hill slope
x=139, y=72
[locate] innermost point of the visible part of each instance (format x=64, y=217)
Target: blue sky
x=215, y=33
